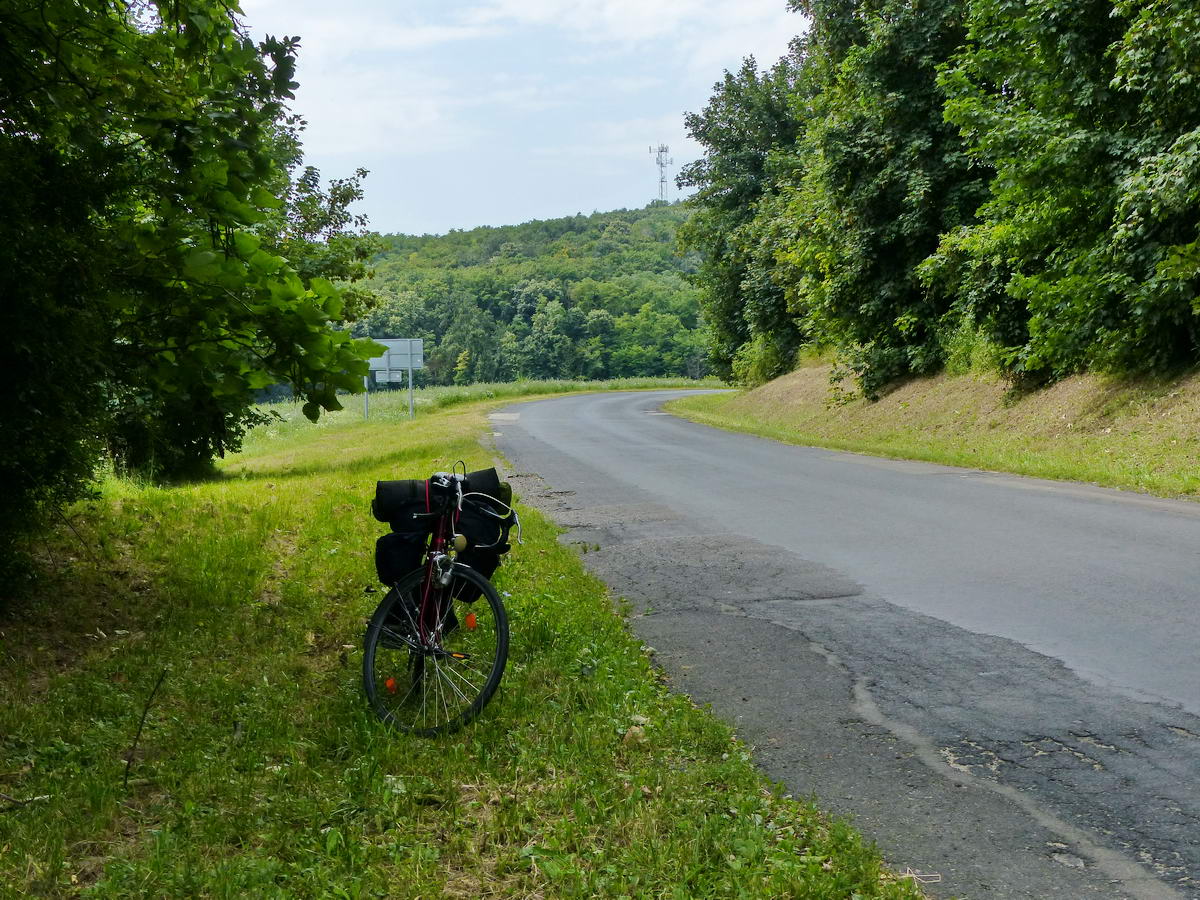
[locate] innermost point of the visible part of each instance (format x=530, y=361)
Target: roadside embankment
x=1136, y=434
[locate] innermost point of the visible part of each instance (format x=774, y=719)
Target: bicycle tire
x=432, y=674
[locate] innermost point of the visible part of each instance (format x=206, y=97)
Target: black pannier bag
x=403, y=505
x=485, y=562
x=396, y=502
x=487, y=481
x=397, y=554
x=485, y=522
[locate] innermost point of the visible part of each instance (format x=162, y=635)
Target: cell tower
x=662, y=160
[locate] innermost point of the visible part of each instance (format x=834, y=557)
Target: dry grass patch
x=1142, y=434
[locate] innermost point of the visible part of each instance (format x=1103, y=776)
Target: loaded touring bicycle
x=436, y=646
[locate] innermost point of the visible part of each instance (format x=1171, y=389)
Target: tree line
x=940, y=181
x=599, y=296
x=164, y=253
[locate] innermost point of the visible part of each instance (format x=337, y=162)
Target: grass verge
x=261, y=773
x=1140, y=435
x=293, y=433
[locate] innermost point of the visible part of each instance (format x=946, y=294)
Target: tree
x=880, y=177
x=650, y=343
x=314, y=228
x=550, y=346
x=749, y=117
x=596, y=351
x=142, y=308
x=1086, y=252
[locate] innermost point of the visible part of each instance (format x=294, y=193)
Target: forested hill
x=594, y=296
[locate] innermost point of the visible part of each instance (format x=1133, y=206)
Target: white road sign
x=402, y=354
x=396, y=365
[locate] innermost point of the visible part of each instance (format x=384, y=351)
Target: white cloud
x=330, y=33
x=606, y=20
x=555, y=100
x=360, y=89
x=368, y=115
x=351, y=37
x=704, y=33
x=523, y=93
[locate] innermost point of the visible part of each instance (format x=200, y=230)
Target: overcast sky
x=500, y=111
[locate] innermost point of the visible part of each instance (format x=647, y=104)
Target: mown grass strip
x=260, y=771
x=1134, y=435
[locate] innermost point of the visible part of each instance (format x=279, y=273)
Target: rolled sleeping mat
x=487, y=481
x=396, y=501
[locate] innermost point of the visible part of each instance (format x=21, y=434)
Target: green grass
x=291, y=428
x=1137, y=435
x=261, y=773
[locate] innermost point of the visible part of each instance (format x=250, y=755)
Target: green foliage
x=881, y=178
x=1022, y=171
x=853, y=190
x=313, y=227
x=968, y=351
x=601, y=296
x=1093, y=209
x=758, y=361
x=143, y=306
x=749, y=116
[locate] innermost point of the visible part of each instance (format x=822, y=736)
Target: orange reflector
x=390, y=684
x=458, y=656
x=472, y=622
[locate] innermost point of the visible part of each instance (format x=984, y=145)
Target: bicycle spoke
x=475, y=670
x=403, y=700
x=425, y=694
x=407, y=610
x=446, y=606
x=451, y=670
x=395, y=704
x=438, y=680
x=445, y=675
x=404, y=639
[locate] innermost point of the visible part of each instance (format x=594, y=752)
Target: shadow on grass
x=1116, y=394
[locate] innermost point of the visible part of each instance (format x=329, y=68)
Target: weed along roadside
x=225, y=618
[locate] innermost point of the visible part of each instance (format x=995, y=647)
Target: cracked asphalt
x=996, y=678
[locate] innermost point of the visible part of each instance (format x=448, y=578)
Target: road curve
x=982, y=648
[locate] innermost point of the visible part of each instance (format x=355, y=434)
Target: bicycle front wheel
x=434, y=654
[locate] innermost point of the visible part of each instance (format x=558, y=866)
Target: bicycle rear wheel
x=433, y=658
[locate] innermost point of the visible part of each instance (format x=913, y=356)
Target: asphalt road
x=997, y=678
